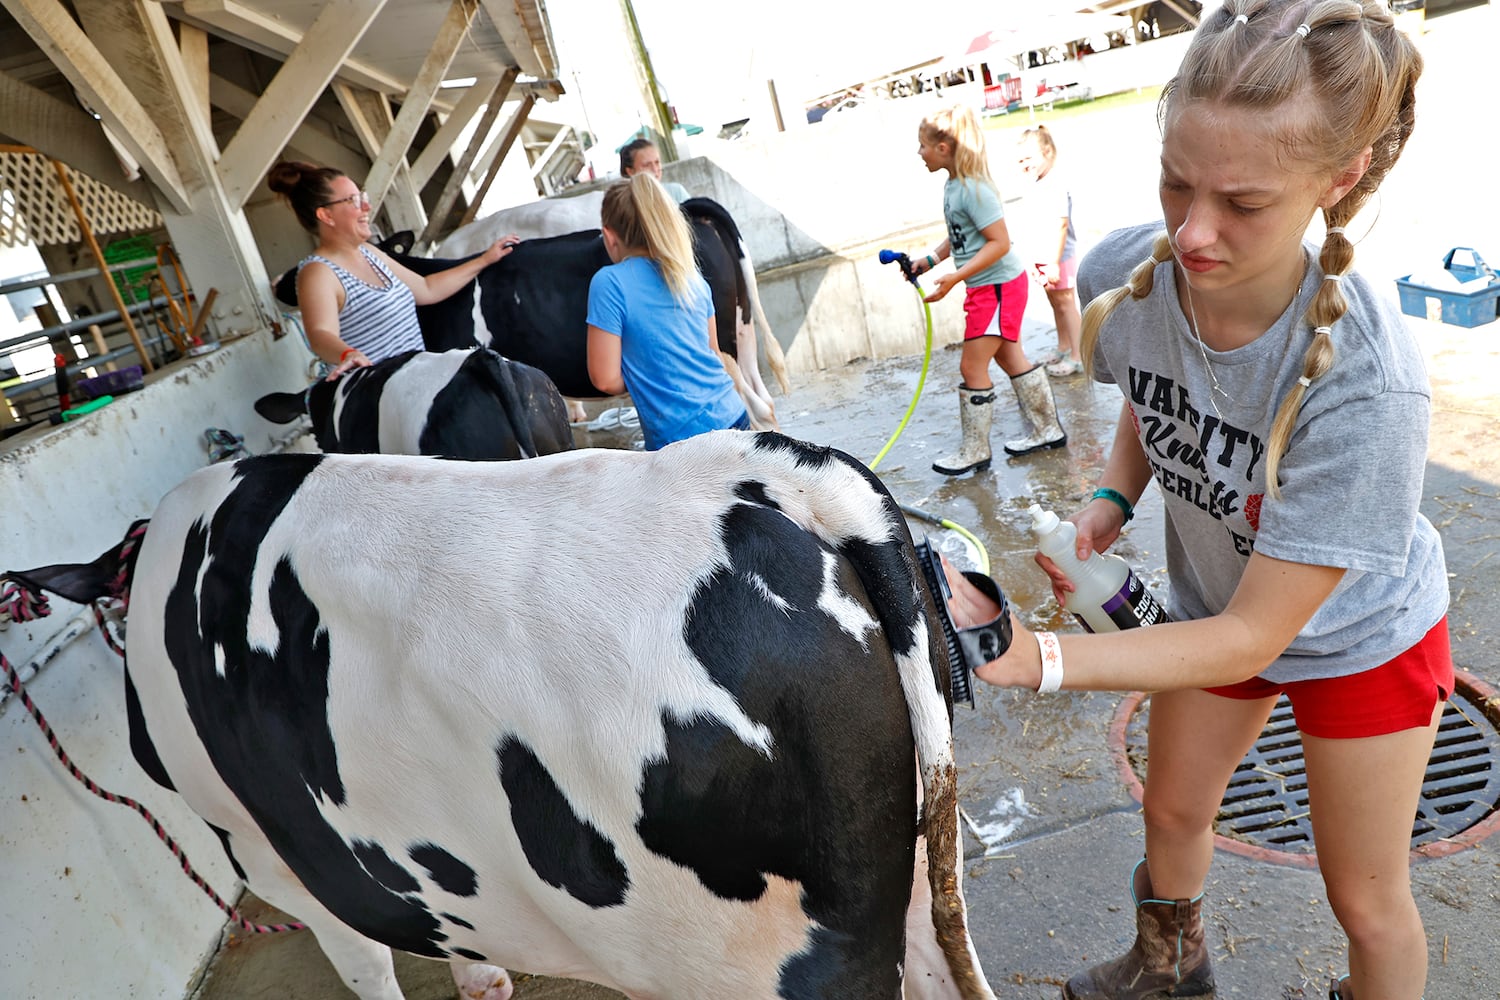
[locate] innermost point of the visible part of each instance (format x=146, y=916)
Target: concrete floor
x=1054, y=830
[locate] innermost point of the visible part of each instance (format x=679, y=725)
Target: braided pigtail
x=1138, y=286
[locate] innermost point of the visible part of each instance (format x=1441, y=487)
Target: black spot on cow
x=460, y=921
x=754, y=492
x=564, y=850
x=223, y=836
x=473, y=956
x=383, y=867
x=264, y=722
x=451, y=874
x=141, y=747
x=834, y=803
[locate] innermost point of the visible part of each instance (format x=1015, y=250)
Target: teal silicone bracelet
x=1115, y=497
x=931, y=262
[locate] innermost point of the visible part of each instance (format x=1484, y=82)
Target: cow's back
x=544, y=712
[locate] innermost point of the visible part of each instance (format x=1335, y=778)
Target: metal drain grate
x=1266, y=802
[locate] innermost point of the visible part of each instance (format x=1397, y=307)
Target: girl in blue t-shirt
x=651, y=320
x=995, y=276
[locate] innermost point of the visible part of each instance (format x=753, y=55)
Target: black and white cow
x=532, y=306
x=413, y=701
x=574, y=213
x=471, y=404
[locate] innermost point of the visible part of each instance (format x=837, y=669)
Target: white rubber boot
x=975, y=412
x=1034, y=394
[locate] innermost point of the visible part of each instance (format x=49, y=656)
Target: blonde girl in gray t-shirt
x=1282, y=409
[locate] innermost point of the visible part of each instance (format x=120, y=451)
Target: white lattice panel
x=34, y=208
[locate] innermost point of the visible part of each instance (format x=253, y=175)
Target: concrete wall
x=94, y=904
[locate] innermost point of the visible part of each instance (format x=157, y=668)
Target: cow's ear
x=282, y=407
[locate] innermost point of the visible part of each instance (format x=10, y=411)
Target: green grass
x=1069, y=109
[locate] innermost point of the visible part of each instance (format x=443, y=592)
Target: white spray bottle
x=1107, y=596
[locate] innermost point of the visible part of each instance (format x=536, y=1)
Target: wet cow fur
x=410, y=700
x=471, y=404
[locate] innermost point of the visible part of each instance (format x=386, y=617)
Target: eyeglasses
x=359, y=197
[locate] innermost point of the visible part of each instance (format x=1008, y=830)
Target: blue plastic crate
x=1444, y=305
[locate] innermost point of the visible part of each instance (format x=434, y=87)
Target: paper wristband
x=1052, y=667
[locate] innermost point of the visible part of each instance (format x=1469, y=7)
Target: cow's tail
x=746, y=289
x=841, y=510
x=497, y=370
x=775, y=357
x=107, y=577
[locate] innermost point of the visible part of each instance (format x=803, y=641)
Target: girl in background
x=995, y=278
x=1053, y=247
x=651, y=325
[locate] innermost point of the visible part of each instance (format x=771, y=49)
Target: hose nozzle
x=897, y=257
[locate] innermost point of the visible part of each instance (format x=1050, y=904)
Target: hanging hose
x=887, y=257
x=902, y=260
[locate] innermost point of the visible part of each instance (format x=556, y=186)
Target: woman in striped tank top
x=358, y=305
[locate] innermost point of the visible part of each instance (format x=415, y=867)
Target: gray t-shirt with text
x=1351, y=479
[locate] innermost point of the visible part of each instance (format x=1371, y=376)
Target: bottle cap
x=1042, y=521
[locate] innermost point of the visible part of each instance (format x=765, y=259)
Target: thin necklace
x=1216, y=389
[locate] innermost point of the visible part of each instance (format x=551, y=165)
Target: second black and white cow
x=412, y=700
x=471, y=404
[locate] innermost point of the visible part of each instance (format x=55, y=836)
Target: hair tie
x=1303, y=29
x=1240, y=19
x=1322, y=331
x=1335, y=229
x=1304, y=381
x=1333, y=277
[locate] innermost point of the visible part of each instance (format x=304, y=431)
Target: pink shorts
x=1394, y=696
x=1066, y=278
x=995, y=310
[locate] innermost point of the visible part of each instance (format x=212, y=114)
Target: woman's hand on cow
x=351, y=359
x=501, y=247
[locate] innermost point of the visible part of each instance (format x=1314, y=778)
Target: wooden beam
x=291, y=94
x=518, y=42
x=59, y=36
x=313, y=142
x=369, y=114
x=504, y=142
x=447, y=134
x=444, y=206
x=270, y=36
x=64, y=132
x=193, y=43
x=414, y=105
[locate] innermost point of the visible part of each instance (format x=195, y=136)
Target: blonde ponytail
x=649, y=224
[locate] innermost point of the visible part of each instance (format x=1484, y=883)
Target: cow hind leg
x=365, y=966
x=476, y=981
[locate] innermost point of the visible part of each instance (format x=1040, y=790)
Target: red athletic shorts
x=1394, y=696
x=995, y=310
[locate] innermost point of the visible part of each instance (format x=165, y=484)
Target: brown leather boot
x=1168, y=958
